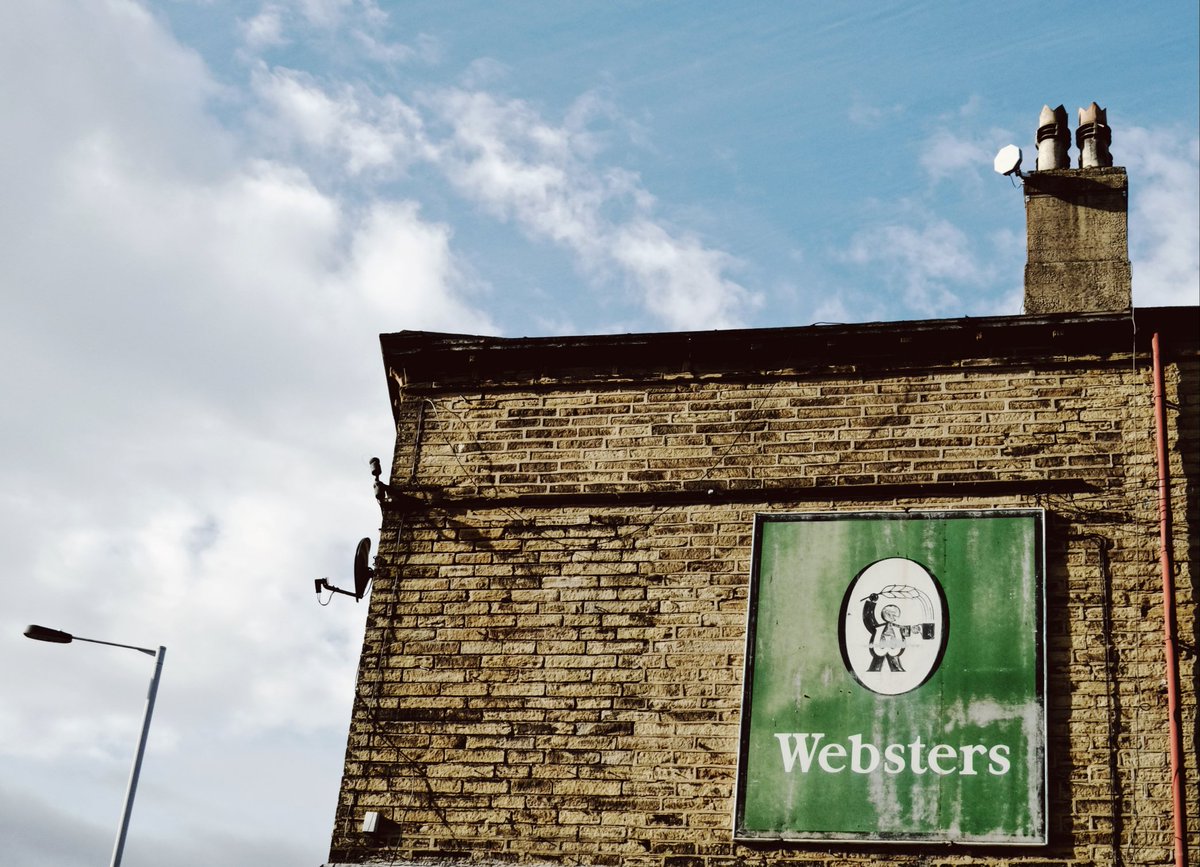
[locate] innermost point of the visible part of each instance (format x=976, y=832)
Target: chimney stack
x=1076, y=220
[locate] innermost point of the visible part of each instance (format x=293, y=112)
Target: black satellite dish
x=362, y=573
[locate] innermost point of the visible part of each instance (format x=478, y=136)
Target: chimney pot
x=1053, y=139
x=1093, y=137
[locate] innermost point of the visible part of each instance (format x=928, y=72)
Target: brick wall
x=553, y=662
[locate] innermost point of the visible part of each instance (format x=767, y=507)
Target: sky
x=209, y=211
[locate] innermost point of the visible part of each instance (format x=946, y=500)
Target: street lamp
x=56, y=636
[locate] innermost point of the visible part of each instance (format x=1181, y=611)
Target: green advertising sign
x=895, y=679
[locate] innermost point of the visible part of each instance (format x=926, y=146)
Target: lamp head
x=44, y=633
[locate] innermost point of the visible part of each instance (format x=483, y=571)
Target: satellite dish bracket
x=323, y=584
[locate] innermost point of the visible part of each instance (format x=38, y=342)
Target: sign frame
x=860, y=663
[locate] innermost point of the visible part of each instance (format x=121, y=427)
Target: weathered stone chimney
x=1076, y=220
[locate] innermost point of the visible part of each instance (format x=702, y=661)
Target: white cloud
x=948, y=154
x=402, y=267
x=361, y=130
x=354, y=30
x=548, y=179
x=504, y=155
x=923, y=261
x=234, y=313
x=681, y=278
x=545, y=178
x=1164, y=219
x=958, y=150
x=482, y=73
x=388, y=53
x=222, y=348
x=325, y=14
x=122, y=79
x=264, y=30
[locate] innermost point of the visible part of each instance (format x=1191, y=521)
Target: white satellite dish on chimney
x=1008, y=161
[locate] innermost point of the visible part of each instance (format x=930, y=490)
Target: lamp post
x=56, y=636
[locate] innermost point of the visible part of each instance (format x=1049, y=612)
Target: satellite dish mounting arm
x=323, y=584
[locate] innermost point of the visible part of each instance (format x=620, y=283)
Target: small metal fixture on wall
x=388, y=496
x=383, y=491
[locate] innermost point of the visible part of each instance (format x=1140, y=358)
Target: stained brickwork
x=553, y=661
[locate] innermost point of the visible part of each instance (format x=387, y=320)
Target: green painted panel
x=895, y=679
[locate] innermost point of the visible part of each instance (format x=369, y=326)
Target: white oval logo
x=893, y=626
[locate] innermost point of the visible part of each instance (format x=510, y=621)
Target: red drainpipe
x=1168, y=583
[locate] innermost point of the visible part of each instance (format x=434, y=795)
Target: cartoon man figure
x=887, y=635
